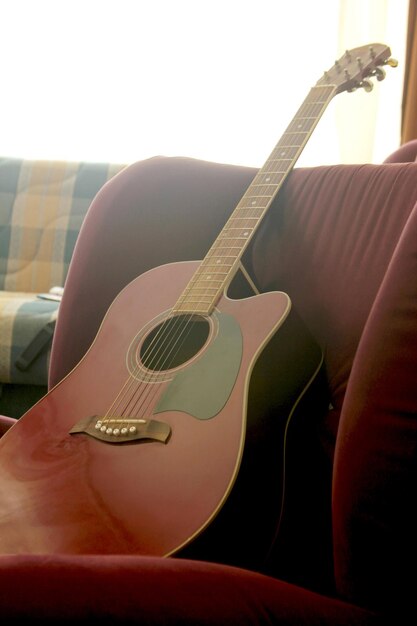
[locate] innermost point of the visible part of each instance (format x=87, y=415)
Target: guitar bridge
x=112, y=429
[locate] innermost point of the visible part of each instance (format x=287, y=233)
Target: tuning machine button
x=380, y=73
x=367, y=85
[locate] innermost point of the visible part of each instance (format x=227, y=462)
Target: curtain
x=409, y=104
x=363, y=131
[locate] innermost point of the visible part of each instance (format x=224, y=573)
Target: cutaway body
x=63, y=491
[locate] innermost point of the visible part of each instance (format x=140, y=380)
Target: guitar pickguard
x=203, y=388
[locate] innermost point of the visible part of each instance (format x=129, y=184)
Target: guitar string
x=160, y=365
x=148, y=353
x=170, y=348
x=218, y=245
x=174, y=340
x=166, y=356
x=134, y=373
x=184, y=330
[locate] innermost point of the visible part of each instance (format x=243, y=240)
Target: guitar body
x=65, y=490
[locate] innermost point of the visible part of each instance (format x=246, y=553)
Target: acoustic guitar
x=174, y=425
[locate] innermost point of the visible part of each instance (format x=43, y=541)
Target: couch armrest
x=5, y=423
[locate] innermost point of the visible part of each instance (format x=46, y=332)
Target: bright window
x=123, y=80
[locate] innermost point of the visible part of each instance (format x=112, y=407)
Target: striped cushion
x=22, y=317
x=42, y=206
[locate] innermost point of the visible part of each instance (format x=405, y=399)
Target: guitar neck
x=222, y=260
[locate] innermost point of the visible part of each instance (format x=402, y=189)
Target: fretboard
x=222, y=260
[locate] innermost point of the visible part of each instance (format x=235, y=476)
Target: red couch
x=342, y=242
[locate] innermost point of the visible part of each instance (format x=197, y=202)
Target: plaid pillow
x=22, y=318
x=42, y=206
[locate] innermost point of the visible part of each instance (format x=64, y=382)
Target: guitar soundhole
x=174, y=342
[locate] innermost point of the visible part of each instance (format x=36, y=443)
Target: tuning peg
x=367, y=85
x=380, y=73
x=391, y=62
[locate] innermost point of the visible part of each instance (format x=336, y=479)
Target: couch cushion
x=328, y=242
x=42, y=205
x=404, y=154
x=107, y=590
x=23, y=317
x=6, y=423
x=375, y=473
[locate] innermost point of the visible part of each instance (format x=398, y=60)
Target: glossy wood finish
x=74, y=494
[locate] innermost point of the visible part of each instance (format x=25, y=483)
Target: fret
x=284, y=146
x=217, y=283
x=205, y=289
x=204, y=271
x=236, y=233
x=265, y=187
x=229, y=248
x=183, y=307
x=243, y=227
x=269, y=177
x=303, y=124
x=201, y=298
x=297, y=137
x=241, y=219
x=283, y=159
x=218, y=262
x=302, y=117
x=270, y=168
x=286, y=149
x=224, y=238
x=211, y=273
x=209, y=268
x=250, y=203
x=296, y=132
x=250, y=212
x=193, y=306
x=207, y=263
x=310, y=110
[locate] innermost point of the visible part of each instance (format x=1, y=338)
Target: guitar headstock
x=354, y=68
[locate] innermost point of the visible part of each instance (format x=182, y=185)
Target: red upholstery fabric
x=168, y=592
x=5, y=423
x=327, y=244
x=328, y=241
x=375, y=475
x=404, y=154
